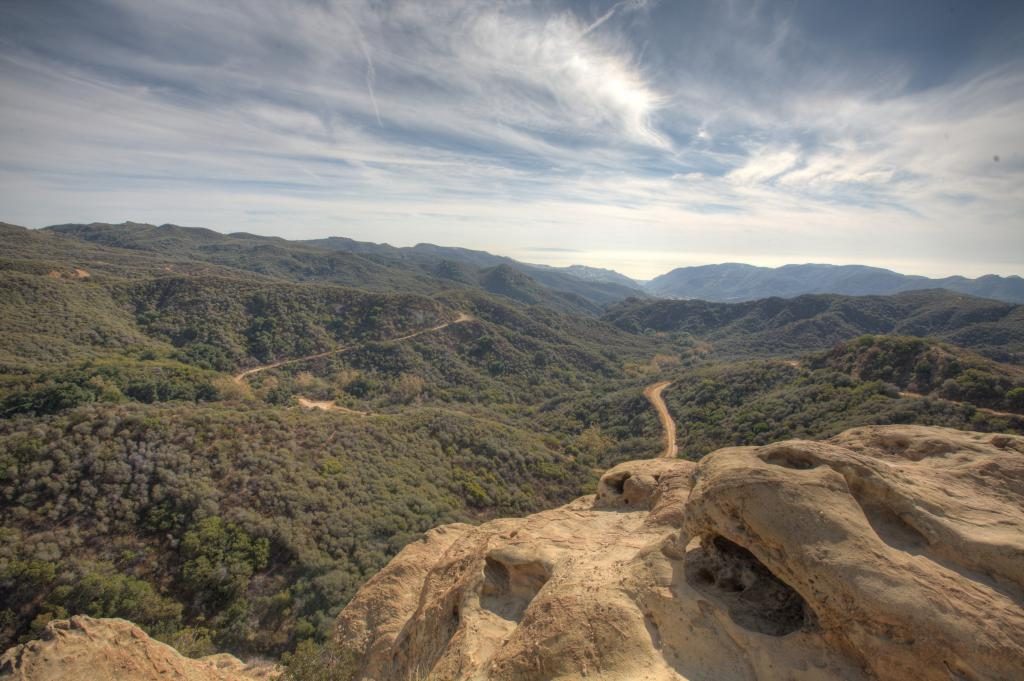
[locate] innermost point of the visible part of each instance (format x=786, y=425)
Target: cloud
x=624, y=5
x=371, y=72
x=764, y=165
x=710, y=128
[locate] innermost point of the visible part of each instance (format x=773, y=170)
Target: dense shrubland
x=790, y=326
x=928, y=368
x=760, y=401
x=138, y=479
x=249, y=527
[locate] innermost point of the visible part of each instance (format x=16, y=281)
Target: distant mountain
x=598, y=287
x=783, y=326
x=599, y=274
x=369, y=266
x=270, y=256
x=734, y=282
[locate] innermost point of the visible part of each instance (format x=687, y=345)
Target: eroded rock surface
x=87, y=649
x=885, y=553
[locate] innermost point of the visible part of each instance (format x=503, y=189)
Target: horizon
x=635, y=135
x=556, y=261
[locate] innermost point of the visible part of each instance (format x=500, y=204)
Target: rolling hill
x=377, y=267
x=200, y=501
x=147, y=472
x=780, y=326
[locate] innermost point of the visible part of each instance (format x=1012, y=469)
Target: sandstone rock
x=884, y=553
x=377, y=613
x=888, y=552
x=87, y=649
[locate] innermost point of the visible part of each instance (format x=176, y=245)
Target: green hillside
x=785, y=326
x=375, y=267
x=870, y=380
x=139, y=477
x=237, y=527
x=211, y=436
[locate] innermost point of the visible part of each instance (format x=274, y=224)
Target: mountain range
x=576, y=288
x=736, y=282
x=371, y=266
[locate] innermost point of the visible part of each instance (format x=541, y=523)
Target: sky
x=637, y=135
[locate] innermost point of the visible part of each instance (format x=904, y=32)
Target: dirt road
x=653, y=395
x=240, y=377
x=327, y=405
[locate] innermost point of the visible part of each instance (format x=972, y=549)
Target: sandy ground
x=327, y=405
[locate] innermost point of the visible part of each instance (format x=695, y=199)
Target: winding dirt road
x=240, y=377
x=653, y=395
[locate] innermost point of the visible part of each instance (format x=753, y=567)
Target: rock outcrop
x=884, y=553
x=87, y=649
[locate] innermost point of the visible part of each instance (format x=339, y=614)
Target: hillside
x=872, y=380
x=220, y=523
x=587, y=289
x=734, y=282
x=212, y=437
x=145, y=475
x=778, y=326
x=921, y=368
x=377, y=267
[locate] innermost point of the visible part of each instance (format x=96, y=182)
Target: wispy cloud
x=743, y=129
x=624, y=5
x=371, y=72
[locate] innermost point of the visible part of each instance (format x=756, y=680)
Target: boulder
x=87, y=649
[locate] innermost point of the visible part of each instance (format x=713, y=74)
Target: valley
x=528, y=340
x=221, y=439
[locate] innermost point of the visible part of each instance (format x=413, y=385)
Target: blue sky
x=638, y=135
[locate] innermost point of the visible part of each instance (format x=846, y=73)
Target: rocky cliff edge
x=885, y=553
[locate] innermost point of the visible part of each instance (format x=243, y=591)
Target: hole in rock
x=788, y=458
x=705, y=577
x=618, y=484
x=509, y=587
x=755, y=598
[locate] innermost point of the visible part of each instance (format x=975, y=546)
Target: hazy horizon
x=624, y=262
x=635, y=135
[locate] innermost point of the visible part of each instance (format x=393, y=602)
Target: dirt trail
x=240, y=377
x=653, y=395
x=327, y=405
